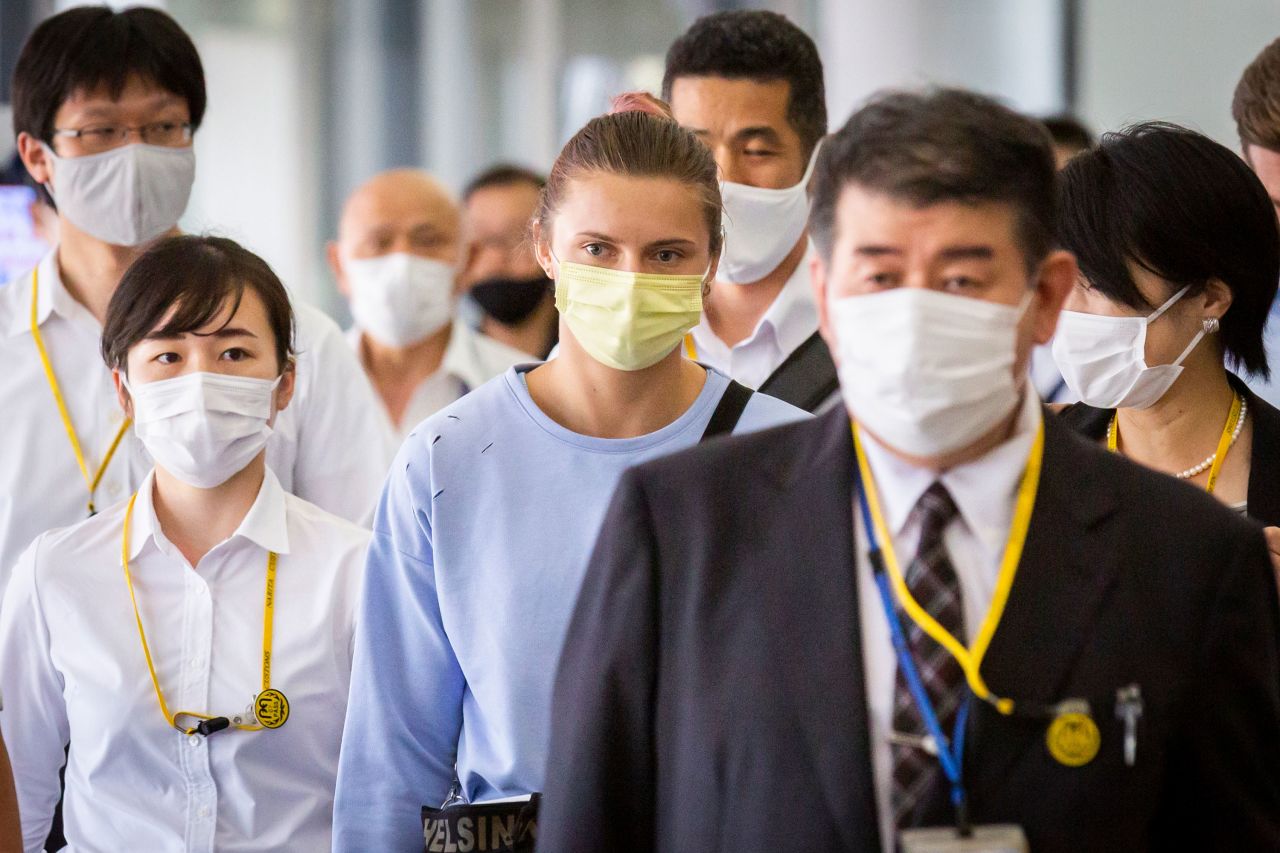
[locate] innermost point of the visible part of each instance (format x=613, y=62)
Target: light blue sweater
x=480, y=544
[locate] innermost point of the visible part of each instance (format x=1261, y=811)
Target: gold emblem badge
x=1073, y=738
x=271, y=708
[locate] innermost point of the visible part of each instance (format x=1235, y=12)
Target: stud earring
x=1211, y=325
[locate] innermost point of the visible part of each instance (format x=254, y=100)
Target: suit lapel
x=828, y=679
x=1264, y=463
x=1068, y=565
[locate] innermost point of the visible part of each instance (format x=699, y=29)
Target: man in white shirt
x=396, y=260
x=192, y=646
x=749, y=84
x=105, y=105
x=1256, y=109
x=934, y=618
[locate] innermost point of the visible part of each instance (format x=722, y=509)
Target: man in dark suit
x=729, y=682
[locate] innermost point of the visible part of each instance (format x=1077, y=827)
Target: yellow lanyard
x=90, y=481
x=970, y=659
x=1224, y=443
x=267, y=617
x=689, y=348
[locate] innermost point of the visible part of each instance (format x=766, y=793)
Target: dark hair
x=636, y=143
x=502, y=175
x=89, y=46
x=760, y=46
x=1256, y=104
x=198, y=275
x=938, y=146
x=1069, y=132
x=1186, y=209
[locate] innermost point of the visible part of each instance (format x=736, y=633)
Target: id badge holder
x=990, y=838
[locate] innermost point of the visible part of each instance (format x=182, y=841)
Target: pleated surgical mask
x=627, y=320
x=927, y=372
x=203, y=428
x=1103, y=359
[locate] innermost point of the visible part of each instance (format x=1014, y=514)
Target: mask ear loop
x=1159, y=312
x=290, y=361
x=1199, y=336
x=813, y=162
x=552, y=252
x=53, y=157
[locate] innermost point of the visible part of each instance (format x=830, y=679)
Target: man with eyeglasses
x=105, y=106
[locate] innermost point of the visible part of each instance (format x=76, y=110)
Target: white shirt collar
x=790, y=320
x=454, y=362
x=461, y=359
x=52, y=298
x=793, y=316
x=984, y=490
x=265, y=523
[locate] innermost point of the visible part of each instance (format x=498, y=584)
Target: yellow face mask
x=627, y=320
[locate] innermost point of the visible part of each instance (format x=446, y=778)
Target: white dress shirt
x=789, y=322
x=73, y=671
x=471, y=359
x=984, y=491
x=329, y=446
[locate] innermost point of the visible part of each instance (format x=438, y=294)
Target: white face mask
x=203, y=428
x=126, y=196
x=927, y=372
x=400, y=298
x=761, y=226
x=1104, y=359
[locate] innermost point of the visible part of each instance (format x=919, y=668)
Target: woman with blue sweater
x=489, y=515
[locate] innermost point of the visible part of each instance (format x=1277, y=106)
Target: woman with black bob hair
x=1179, y=260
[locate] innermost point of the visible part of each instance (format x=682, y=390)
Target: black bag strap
x=728, y=411
x=807, y=378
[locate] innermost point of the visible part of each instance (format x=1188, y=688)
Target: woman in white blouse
x=191, y=645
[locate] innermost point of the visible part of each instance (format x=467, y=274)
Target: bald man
x=396, y=260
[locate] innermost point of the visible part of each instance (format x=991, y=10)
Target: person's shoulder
x=1088, y=421
x=763, y=411
x=312, y=523
x=15, y=302
x=1146, y=499
x=314, y=330
x=740, y=458
x=466, y=420
x=67, y=552
x=14, y=296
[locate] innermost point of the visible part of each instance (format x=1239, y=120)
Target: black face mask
x=510, y=300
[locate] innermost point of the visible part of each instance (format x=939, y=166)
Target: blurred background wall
x=310, y=97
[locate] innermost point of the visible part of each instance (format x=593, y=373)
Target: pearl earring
x=1211, y=325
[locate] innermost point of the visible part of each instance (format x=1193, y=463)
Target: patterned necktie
x=918, y=780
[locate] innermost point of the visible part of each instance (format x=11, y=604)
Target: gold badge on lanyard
x=271, y=708
x=1073, y=737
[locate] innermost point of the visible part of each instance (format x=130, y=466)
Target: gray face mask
x=126, y=196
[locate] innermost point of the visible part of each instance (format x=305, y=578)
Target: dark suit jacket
x=1264, y=459
x=711, y=692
